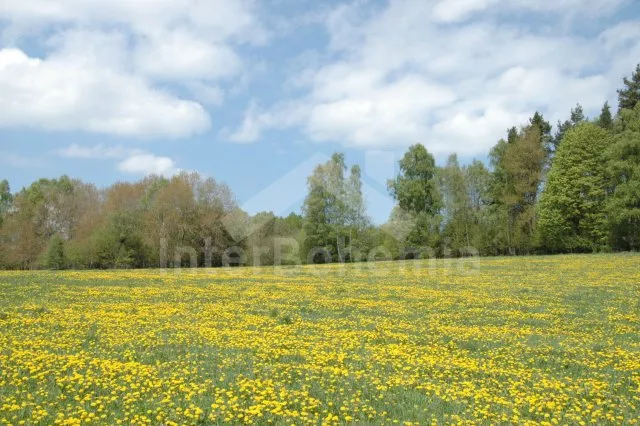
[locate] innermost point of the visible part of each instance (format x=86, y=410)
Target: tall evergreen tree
x=605, y=120
x=512, y=134
x=576, y=117
x=623, y=204
x=524, y=162
x=518, y=171
x=577, y=114
x=571, y=213
x=545, y=129
x=499, y=184
x=629, y=96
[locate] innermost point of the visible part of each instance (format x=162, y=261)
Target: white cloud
x=403, y=74
x=375, y=112
x=96, y=152
x=107, y=65
x=70, y=93
x=148, y=164
x=458, y=10
x=454, y=10
x=251, y=127
x=214, y=19
x=130, y=160
x=182, y=55
x=256, y=120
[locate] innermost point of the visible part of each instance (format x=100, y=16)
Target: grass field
x=539, y=340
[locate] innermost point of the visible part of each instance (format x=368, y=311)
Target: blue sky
x=246, y=91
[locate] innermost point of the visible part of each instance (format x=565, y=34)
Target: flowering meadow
x=533, y=340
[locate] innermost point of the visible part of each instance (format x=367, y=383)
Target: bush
x=55, y=253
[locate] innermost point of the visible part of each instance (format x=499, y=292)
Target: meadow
x=533, y=340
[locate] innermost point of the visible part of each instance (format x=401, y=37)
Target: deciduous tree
x=572, y=208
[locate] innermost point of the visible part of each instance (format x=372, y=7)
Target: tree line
x=575, y=189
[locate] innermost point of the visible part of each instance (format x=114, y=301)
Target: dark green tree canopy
x=576, y=117
x=55, y=253
x=624, y=171
x=543, y=127
x=606, y=119
x=629, y=96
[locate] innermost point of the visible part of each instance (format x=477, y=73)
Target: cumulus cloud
x=216, y=19
x=180, y=54
x=148, y=164
x=117, y=67
x=69, y=94
x=130, y=160
x=402, y=73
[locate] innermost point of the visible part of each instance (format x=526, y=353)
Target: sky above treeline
x=256, y=93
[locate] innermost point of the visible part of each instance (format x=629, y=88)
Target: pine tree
x=524, y=162
x=623, y=205
x=576, y=117
x=629, y=96
x=512, y=134
x=544, y=127
x=605, y=120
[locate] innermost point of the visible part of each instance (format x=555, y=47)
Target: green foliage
x=55, y=254
x=518, y=171
x=576, y=117
x=496, y=210
x=334, y=210
x=119, y=243
x=458, y=227
x=419, y=199
x=416, y=187
x=629, y=96
x=606, y=119
x=623, y=204
x=5, y=198
x=477, y=183
x=544, y=129
x=571, y=214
